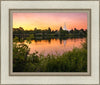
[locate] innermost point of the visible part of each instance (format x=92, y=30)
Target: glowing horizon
x=29, y=21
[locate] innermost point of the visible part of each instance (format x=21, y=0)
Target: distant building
x=64, y=28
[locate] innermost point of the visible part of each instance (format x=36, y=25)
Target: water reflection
x=64, y=41
x=54, y=46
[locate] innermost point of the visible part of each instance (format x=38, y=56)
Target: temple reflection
x=64, y=42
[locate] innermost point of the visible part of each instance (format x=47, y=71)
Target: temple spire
x=64, y=28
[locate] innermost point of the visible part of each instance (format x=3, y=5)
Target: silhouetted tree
x=49, y=30
x=61, y=28
x=35, y=29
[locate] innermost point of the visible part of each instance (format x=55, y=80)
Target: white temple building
x=64, y=28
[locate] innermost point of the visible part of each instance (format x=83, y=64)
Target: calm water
x=54, y=46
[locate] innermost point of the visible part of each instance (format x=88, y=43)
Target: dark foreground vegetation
x=72, y=61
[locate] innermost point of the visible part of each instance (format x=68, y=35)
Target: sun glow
x=42, y=21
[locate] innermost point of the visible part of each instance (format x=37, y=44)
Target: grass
x=72, y=61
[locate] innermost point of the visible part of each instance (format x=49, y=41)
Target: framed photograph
x=50, y=42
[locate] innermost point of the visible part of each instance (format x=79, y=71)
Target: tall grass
x=72, y=61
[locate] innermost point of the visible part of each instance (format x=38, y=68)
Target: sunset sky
x=29, y=21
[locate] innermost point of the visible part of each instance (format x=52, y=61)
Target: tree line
x=48, y=33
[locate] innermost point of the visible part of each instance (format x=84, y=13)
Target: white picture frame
x=80, y=4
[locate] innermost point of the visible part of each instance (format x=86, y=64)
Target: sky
x=42, y=21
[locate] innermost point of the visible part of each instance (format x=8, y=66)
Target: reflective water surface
x=55, y=46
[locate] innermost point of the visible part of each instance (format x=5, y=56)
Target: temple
x=64, y=28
